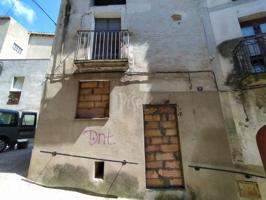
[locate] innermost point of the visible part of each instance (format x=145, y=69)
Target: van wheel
x=22, y=145
x=3, y=144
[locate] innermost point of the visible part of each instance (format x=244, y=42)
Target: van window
x=8, y=119
x=28, y=119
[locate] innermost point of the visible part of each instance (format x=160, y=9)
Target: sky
x=30, y=15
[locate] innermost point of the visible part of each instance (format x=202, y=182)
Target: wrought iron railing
x=102, y=45
x=250, y=55
x=231, y=171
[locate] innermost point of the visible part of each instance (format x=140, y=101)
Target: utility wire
x=37, y=4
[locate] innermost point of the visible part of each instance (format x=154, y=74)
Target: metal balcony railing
x=102, y=45
x=250, y=56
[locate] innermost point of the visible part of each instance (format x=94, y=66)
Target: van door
x=9, y=125
x=27, y=125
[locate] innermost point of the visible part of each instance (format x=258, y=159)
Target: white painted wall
x=15, y=34
x=4, y=24
x=31, y=63
x=35, y=46
x=225, y=21
x=34, y=72
x=40, y=46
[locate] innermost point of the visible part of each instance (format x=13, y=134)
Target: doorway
x=107, y=38
x=261, y=141
x=162, y=147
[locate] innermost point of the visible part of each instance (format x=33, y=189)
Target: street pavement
x=13, y=184
x=16, y=161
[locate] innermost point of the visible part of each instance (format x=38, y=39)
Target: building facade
x=24, y=59
x=237, y=43
x=137, y=104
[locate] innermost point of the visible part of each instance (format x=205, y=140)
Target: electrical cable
x=37, y=4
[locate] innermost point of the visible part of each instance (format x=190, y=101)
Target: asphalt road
x=15, y=161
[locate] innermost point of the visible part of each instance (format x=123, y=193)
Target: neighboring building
x=132, y=106
x=24, y=58
x=237, y=41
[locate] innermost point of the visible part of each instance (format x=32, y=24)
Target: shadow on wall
x=74, y=178
x=226, y=49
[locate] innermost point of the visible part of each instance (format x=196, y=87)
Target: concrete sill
x=119, y=65
x=92, y=119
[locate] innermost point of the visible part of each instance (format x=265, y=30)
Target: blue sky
x=30, y=15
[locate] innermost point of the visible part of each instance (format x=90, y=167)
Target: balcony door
x=107, y=39
x=253, y=32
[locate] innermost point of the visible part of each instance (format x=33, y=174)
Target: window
x=15, y=91
x=252, y=30
x=99, y=170
x=109, y=2
x=17, y=83
x=8, y=119
x=253, y=27
x=17, y=48
x=93, y=99
x=28, y=120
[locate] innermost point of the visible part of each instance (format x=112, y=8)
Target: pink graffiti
x=96, y=138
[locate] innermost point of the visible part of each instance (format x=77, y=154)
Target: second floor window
x=109, y=2
x=17, y=48
x=253, y=32
x=253, y=27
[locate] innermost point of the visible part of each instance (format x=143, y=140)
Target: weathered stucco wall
x=226, y=30
x=243, y=111
x=34, y=72
x=202, y=138
x=158, y=43
x=162, y=44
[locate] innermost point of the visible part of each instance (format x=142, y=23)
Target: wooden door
x=261, y=141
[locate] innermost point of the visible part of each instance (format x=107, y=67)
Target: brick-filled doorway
x=162, y=147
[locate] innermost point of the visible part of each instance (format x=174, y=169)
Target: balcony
x=250, y=60
x=102, y=51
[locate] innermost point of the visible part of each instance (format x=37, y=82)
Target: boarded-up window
x=162, y=147
x=93, y=99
